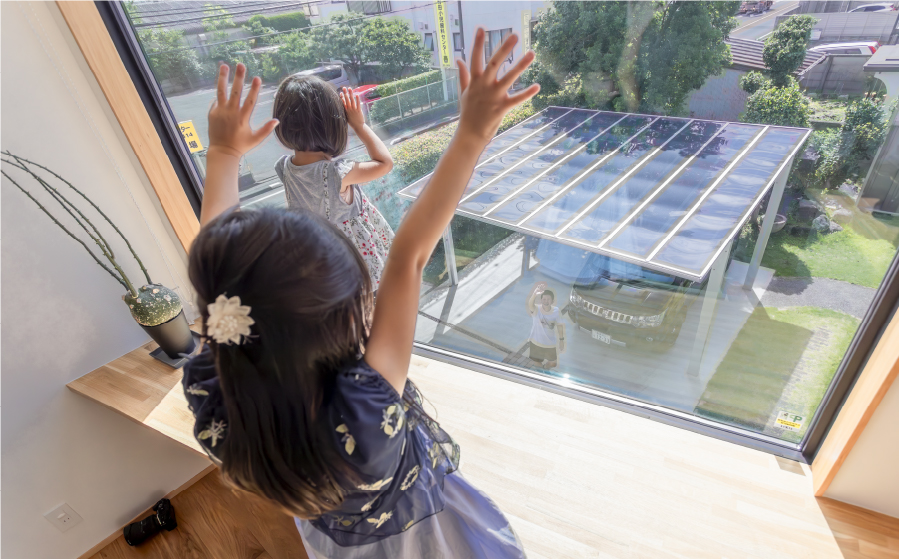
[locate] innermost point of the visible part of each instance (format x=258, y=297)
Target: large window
x=714, y=257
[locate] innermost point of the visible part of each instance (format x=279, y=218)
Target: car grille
x=614, y=316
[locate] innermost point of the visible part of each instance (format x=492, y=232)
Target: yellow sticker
x=789, y=421
x=446, y=58
x=190, y=136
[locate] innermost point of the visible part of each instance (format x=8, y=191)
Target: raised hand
x=354, y=115
x=485, y=97
x=229, y=121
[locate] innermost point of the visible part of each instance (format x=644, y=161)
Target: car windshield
x=599, y=269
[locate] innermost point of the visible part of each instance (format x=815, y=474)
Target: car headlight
x=576, y=299
x=649, y=321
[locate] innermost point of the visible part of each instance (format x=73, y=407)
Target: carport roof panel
x=666, y=193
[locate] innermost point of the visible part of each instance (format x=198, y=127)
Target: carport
x=668, y=194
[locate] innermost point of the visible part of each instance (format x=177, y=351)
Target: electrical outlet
x=63, y=517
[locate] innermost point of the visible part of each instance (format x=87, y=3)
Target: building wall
x=719, y=98
x=62, y=314
x=838, y=74
x=868, y=477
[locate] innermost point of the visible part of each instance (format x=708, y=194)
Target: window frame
x=880, y=313
x=425, y=38
x=132, y=56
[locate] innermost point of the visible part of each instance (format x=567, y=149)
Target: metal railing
x=414, y=102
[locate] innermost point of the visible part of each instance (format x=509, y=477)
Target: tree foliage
x=781, y=106
x=785, y=48
x=862, y=133
x=394, y=46
x=631, y=55
x=167, y=56
x=282, y=22
x=358, y=42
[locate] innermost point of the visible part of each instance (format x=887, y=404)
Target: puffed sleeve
x=204, y=398
x=343, y=166
x=367, y=418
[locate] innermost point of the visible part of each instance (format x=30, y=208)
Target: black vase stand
x=182, y=359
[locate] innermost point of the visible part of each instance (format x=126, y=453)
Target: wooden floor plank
x=576, y=480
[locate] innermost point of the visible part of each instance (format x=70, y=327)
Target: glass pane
x=695, y=247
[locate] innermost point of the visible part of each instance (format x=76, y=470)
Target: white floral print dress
x=409, y=502
x=316, y=188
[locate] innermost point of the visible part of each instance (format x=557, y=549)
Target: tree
x=359, y=42
x=168, y=57
x=255, y=28
x=342, y=40
x=215, y=21
x=785, y=48
x=394, y=46
x=754, y=81
x=294, y=54
x=781, y=106
x=633, y=55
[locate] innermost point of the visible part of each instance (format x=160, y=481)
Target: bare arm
x=536, y=290
x=560, y=334
x=230, y=136
x=485, y=100
x=381, y=161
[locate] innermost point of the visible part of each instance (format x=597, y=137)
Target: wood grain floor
x=216, y=522
x=576, y=481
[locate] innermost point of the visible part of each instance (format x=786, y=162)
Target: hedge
x=282, y=22
x=417, y=156
x=406, y=84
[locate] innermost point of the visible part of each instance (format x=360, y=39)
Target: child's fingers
x=522, y=96
x=250, y=102
x=477, y=55
x=263, y=131
x=221, y=85
x=517, y=70
x=501, y=55
x=464, y=76
x=237, y=86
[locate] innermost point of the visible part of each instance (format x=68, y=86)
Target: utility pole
x=461, y=30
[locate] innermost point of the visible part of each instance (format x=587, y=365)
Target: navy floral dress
x=401, y=456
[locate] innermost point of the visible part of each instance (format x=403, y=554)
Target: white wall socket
x=63, y=517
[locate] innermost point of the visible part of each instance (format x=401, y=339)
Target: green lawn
x=745, y=389
x=846, y=256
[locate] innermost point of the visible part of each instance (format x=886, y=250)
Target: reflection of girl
x=547, y=329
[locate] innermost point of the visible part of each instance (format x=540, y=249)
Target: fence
x=843, y=27
x=837, y=74
x=439, y=97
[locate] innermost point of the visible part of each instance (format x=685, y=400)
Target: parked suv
x=616, y=302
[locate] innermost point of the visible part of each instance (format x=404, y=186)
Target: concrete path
x=825, y=293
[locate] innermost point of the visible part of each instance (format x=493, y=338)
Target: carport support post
x=777, y=194
x=450, y=254
x=707, y=312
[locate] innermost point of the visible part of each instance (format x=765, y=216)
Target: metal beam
x=707, y=313
x=450, y=254
x=777, y=193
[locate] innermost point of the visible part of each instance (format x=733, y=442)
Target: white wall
x=869, y=477
x=62, y=314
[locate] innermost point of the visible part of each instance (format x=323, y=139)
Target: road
x=757, y=26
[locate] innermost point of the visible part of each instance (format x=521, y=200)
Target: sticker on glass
x=789, y=421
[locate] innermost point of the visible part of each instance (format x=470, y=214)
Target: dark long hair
x=310, y=116
x=311, y=298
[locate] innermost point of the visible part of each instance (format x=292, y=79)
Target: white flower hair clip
x=228, y=320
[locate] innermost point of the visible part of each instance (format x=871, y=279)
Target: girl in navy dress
x=300, y=394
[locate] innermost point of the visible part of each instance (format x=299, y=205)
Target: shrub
x=841, y=153
x=282, y=22
x=383, y=111
x=416, y=157
x=754, y=81
x=781, y=106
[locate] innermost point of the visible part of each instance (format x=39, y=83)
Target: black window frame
x=164, y=121
x=882, y=309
